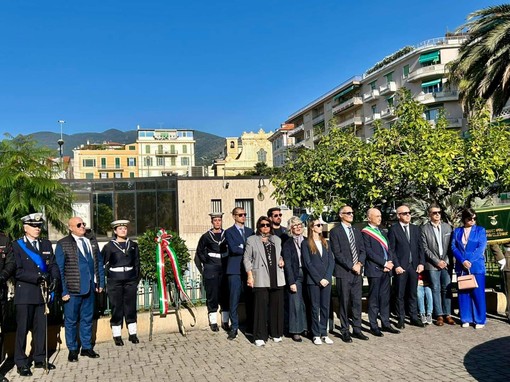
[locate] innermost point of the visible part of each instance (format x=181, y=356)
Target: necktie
x=242, y=234
x=34, y=244
x=352, y=244
x=406, y=230
x=85, y=248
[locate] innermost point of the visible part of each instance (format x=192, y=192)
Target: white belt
x=217, y=255
x=121, y=269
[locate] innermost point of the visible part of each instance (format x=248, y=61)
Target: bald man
x=81, y=268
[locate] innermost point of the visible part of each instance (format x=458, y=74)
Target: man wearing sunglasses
x=236, y=239
x=436, y=237
x=405, y=245
x=349, y=250
x=35, y=267
x=275, y=217
x=81, y=268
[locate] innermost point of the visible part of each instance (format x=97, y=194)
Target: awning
x=344, y=92
x=430, y=83
x=429, y=57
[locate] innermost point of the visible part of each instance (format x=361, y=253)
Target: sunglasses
x=240, y=215
x=470, y=219
x=277, y=215
x=404, y=213
x=435, y=213
x=265, y=225
x=318, y=225
x=348, y=213
x=35, y=225
x=79, y=225
x=297, y=226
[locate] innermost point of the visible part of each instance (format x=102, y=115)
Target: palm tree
x=27, y=185
x=482, y=69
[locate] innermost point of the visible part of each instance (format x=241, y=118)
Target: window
x=117, y=175
x=172, y=161
x=262, y=155
x=405, y=71
x=232, y=144
x=147, y=161
x=373, y=85
x=391, y=101
x=185, y=161
x=374, y=109
x=389, y=77
x=103, y=175
x=160, y=149
x=432, y=114
x=103, y=162
x=216, y=205
x=147, y=149
x=434, y=86
x=132, y=148
x=247, y=205
x=308, y=134
x=131, y=162
x=184, y=149
x=131, y=174
x=172, y=149
x=89, y=175
x=160, y=161
x=117, y=162
x=89, y=163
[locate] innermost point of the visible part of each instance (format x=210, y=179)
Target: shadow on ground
x=488, y=362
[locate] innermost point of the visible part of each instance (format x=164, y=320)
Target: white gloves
x=502, y=263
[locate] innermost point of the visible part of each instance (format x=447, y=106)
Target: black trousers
x=349, y=292
x=216, y=290
x=268, y=311
x=379, y=300
x=122, y=295
x=406, y=282
x=248, y=302
x=30, y=317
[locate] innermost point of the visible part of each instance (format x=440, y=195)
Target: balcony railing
x=166, y=153
x=450, y=95
x=371, y=96
x=318, y=119
x=370, y=119
x=426, y=72
x=297, y=130
x=110, y=168
x=354, y=101
x=388, y=113
x=390, y=87
x=356, y=121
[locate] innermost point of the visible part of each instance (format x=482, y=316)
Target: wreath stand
x=174, y=307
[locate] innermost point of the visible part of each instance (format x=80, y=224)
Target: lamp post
x=60, y=143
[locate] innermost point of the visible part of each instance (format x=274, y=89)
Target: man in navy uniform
x=7, y=268
x=36, y=274
x=81, y=268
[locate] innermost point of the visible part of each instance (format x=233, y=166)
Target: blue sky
x=222, y=67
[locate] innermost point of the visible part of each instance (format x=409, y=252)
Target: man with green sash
x=378, y=266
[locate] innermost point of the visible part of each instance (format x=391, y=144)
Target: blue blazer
x=473, y=252
x=291, y=259
x=236, y=245
x=318, y=267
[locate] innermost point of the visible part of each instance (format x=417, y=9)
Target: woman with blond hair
x=294, y=278
x=319, y=263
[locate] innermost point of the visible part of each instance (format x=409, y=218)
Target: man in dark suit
x=82, y=272
x=406, y=250
x=349, y=251
x=436, y=237
x=236, y=239
x=35, y=268
x=378, y=267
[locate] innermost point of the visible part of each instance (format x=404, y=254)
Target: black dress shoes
x=24, y=371
x=390, y=329
x=42, y=365
x=232, y=335
x=73, y=356
x=89, y=353
x=376, y=332
x=118, y=341
x=297, y=338
x=360, y=336
x=346, y=337
x=400, y=324
x=3, y=379
x=214, y=327
x=418, y=323
x=134, y=339
x=225, y=326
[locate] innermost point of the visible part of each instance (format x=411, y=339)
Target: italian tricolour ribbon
x=377, y=235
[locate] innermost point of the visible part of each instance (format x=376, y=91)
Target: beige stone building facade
x=243, y=153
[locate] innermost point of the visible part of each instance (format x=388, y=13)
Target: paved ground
x=434, y=353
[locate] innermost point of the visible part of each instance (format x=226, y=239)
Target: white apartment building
x=165, y=152
x=361, y=100
x=280, y=141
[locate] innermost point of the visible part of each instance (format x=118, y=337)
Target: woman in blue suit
x=319, y=263
x=468, y=246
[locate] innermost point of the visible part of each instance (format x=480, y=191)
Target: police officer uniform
x=211, y=259
x=35, y=266
x=122, y=263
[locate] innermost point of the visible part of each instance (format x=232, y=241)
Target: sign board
x=496, y=221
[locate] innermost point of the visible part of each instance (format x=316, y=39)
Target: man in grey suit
x=436, y=237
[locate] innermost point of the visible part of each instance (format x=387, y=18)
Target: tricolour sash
x=35, y=257
x=377, y=235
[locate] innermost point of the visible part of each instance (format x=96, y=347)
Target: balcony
x=356, y=121
x=370, y=119
x=166, y=153
x=388, y=113
x=371, y=96
x=354, y=101
x=109, y=168
x=505, y=113
x=427, y=72
x=389, y=88
x=318, y=119
x=297, y=130
x=453, y=123
x=451, y=95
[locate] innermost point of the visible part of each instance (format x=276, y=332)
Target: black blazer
x=400, y=246
x=374, y=264
x=318, y=267
x=342, y=251
x=291, y=259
